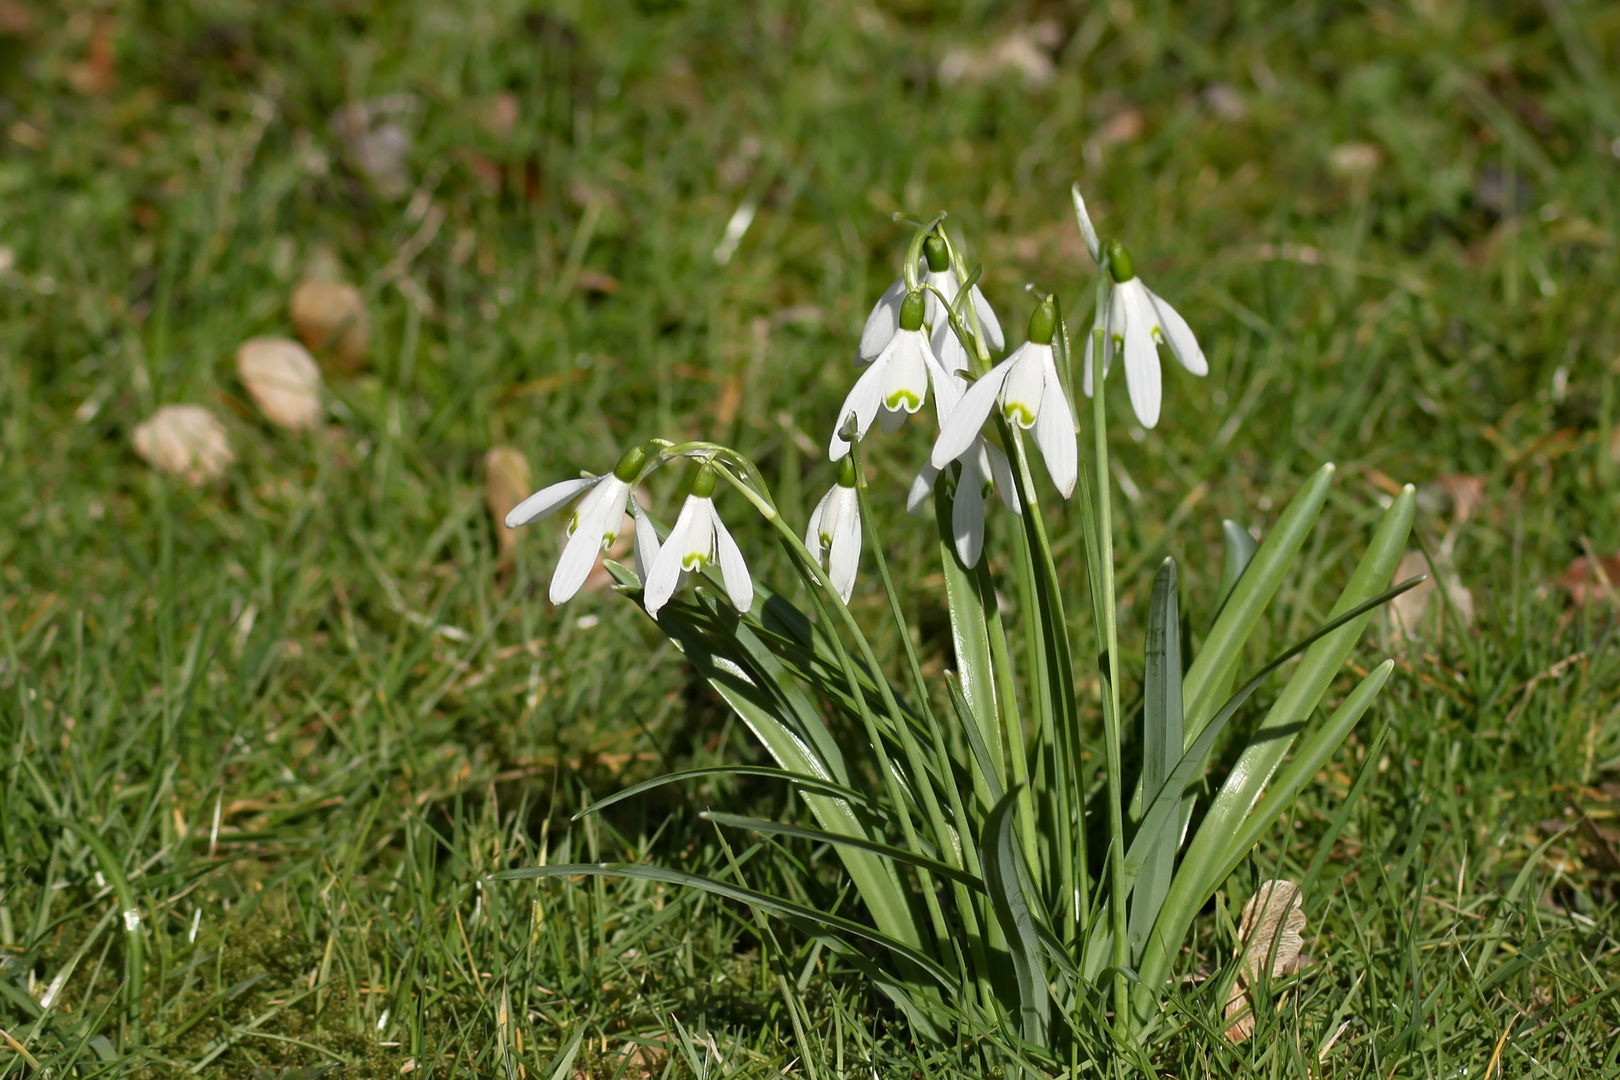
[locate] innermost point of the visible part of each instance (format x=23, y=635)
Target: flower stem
x=1109, y=671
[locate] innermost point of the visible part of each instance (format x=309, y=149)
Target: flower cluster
x=932, y=330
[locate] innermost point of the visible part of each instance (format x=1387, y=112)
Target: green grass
x=321, y=653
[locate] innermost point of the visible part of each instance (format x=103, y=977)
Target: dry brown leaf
x=375, y=143
x=331, y=318
x=1585, y=584
x=1409, y=609
x=1272, y=932
x=1025, y=50
x=284, y=380
x=1354, y=160
x=15, y=20
x=185, y=441
x=1467, y=493
x=506, y=483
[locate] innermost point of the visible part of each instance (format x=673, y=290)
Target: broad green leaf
x=1240, y=549
x=774, y=905
x=1313, y=754
x=1272, y=739
x=970, y=635
x=1004, y=880
x=1211, y=671
x=1161, y=748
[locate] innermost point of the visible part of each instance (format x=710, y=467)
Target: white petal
x=646, y=540
x=905, y=385
x=988, y=322
x=959, y=431
x=948, y=348
x=863, y=400
x=697, y=546
x=922, y=486
x=948, y=386
x=882, y=323
x=548, y=500
x=967, y=515
x=1026, y=384
x=1142, y=376
x=733, y=570
x=1006, y=486
x=845, y=556
x=812, y=532
x=1178, y=335
x=580, y=552
x=665, y=575
x=933, y=310
x=1054, y=434
x=890, y=420
x=615, y=494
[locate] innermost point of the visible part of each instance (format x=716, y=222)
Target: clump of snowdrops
x=960, y=812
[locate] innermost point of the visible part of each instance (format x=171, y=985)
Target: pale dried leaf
x=1587, y=583
x=331, y=318
x=284, y=380
x=375, y=143
x=506, y=483
x=185, y=441
x=1025, y=51
x=1411, y=607
x=1355, y=160
x=1272, y=932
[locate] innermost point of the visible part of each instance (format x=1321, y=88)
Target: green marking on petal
x=1017, y=413
x=695, y=561
x=903, y=399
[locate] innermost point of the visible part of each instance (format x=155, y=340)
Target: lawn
x=293, y=716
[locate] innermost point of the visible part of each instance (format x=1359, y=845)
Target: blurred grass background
x=308, y=708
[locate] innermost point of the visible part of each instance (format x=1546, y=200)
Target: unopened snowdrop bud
x=1138, y=320
x=594, y=524
x=698, y=540
x=834, y=535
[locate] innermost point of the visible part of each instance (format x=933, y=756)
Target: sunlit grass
x=309, y=711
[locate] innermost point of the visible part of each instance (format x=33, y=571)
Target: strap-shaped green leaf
x=803, y=780
x=1240, y=549
x=774, y=905
x=1004, y=881
x=822, y=836
x=1211, y=671
x=1161, y=749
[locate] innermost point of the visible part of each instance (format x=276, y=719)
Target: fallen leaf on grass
x=506, y=483
x=1584, y=584
x=1409, y=609
x=1272, y=932
x=185, y=441
x=375, y=144
x=284, y=380
x=1025, y=50
x=331, y=318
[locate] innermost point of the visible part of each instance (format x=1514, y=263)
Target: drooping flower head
x=1030, y=393
x=699, y=539
x=594, y=524
x=896, y=383
x=834, y=534
x=1138, y=320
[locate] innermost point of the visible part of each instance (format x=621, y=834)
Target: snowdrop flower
x=983, y=466
x=834, y=535
x=699, y=539
x=1137, y=320
x=895, y=384
x=885, y=318
x=1031, y=396
x=594, y=524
